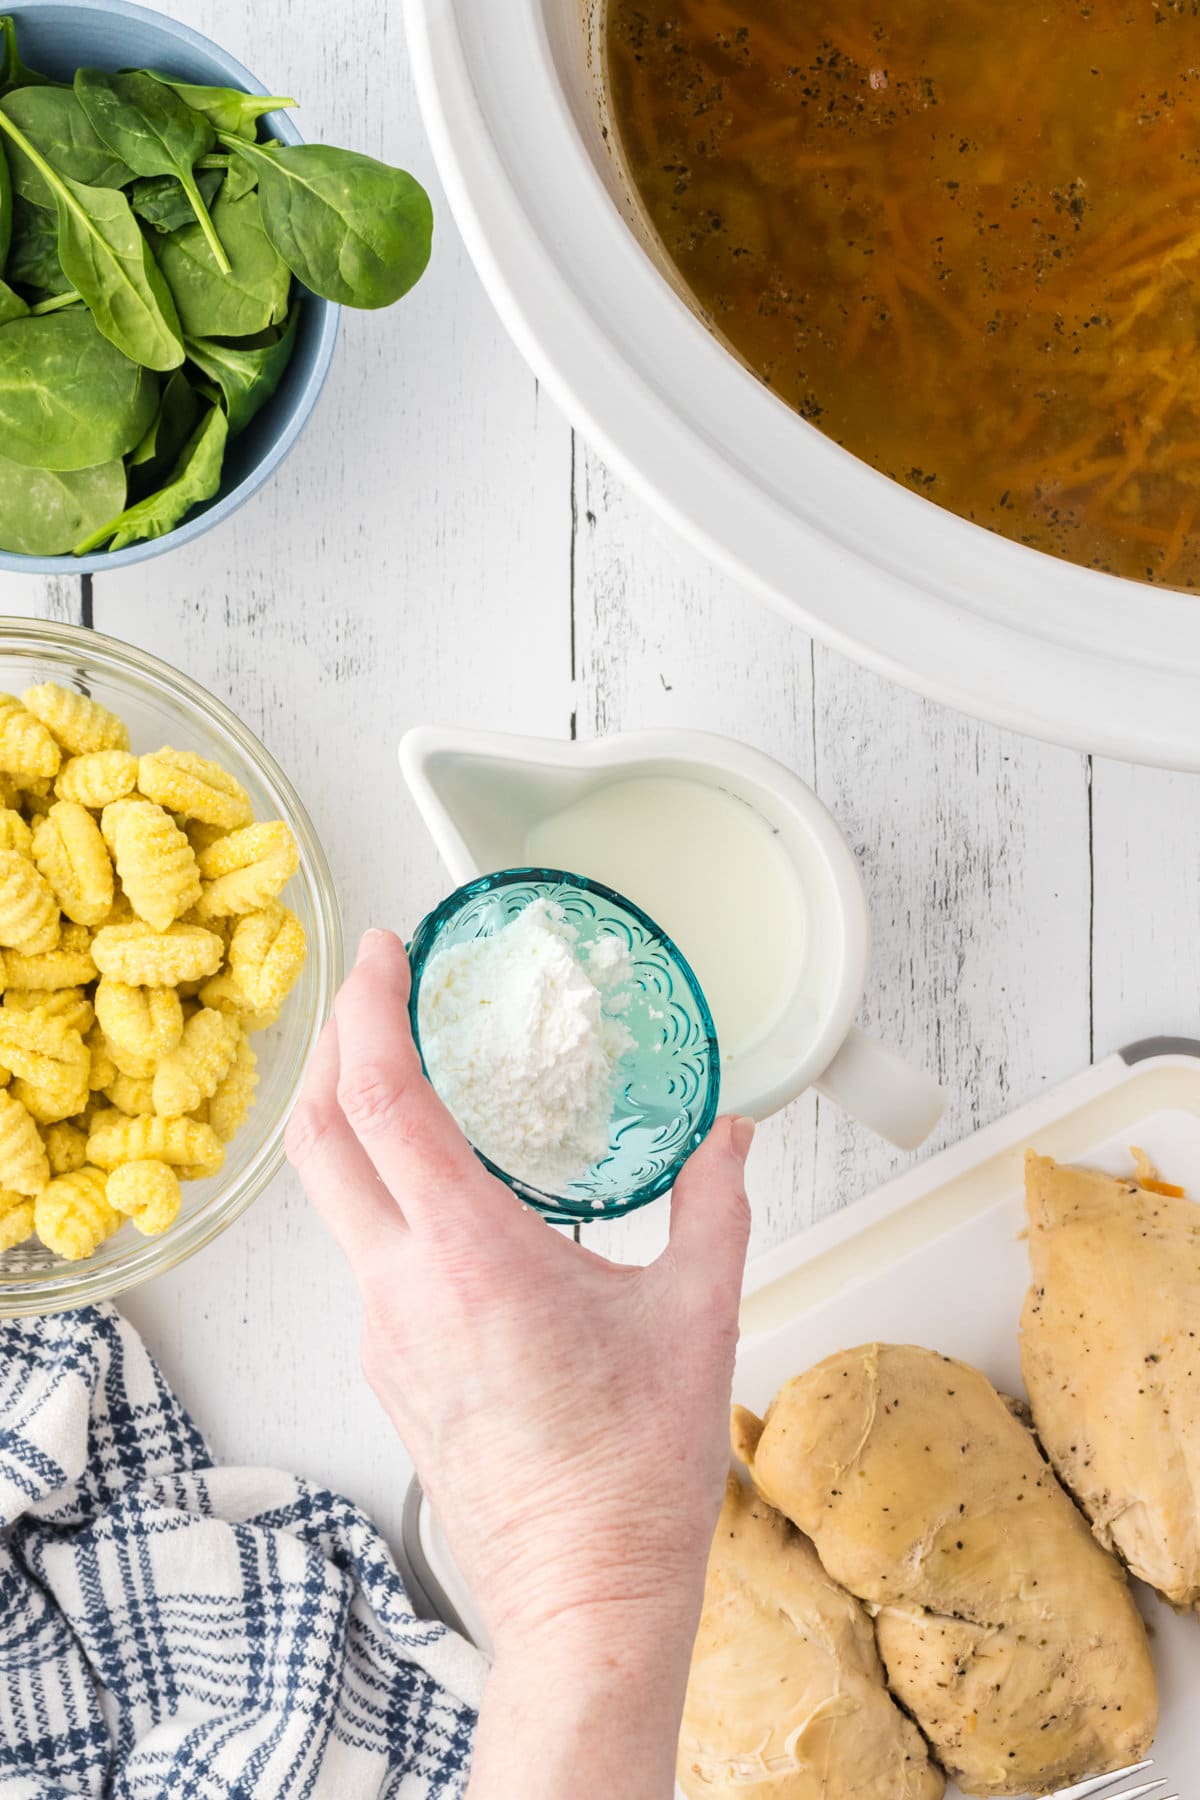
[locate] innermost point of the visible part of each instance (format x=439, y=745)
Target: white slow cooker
x=513, y=102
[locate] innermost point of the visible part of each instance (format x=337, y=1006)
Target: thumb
x=710, y=1214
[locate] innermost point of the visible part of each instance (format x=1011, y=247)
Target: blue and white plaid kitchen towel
x=171, y=1628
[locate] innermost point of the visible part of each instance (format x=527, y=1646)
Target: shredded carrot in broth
x=961, y=238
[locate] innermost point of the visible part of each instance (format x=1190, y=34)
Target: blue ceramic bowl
x=668, y=1085
x=59, y=36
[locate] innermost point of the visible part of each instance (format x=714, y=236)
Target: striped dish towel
x=171, y=1628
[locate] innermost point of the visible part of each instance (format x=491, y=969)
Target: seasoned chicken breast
x=1110, y=1347
x=1005, y=1629
x=786, y=1699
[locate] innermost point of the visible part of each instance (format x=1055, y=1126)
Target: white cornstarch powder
x=521, y=1041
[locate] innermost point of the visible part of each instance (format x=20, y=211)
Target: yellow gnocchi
x=194, y=787
x=29, y=916
x=66, y=1147
x=72, y=1215
x=142, y=938
x=199, y=835
x=244, y=870
x=69, y=964
x=103, y=1070
x=222, y=992
x=76, y=721
x=122, y=913
x=27, y=751
x=184, y=1143
x=133, y=1064
x=147, y=1192
x=16, y=1219
x=97, y=778
x=51, y=1102
x=24, y=1166
x=72, y=856
x=14, y=832
x=221, y=926
x=266, y=954
x=46, y=1052
x=191, y=1073
x=234, y=1097
x=154, y=860
x=144, y=1022
x=96, y=1105
x=70, y=1004
x=131, y=1094
x=137, y=954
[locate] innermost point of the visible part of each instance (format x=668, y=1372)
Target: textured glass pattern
x=668, y=1084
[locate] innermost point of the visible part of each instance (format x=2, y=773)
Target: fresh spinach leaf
x=68, y=398
x=152, y=130
x=196, y=478
x=103, y=252
x=240, y=181
x=6, y=208
x=246, y=378
x=108, y=262
x=225, y=159
x=143, y=452
x=159, y=200
x=43, y=512
x=13, y=73
x=11, y=304
x=58, y=128
x=51, y=303
x=33, y=254
x=352, y=229
x=252, y=296
x=239, y=178
x=226, y=109
x=151, y=461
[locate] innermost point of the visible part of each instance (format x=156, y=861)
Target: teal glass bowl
x=667, y=1088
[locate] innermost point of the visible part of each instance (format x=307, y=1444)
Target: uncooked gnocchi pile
x=142, y=942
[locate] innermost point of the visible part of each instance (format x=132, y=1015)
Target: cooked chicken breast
x=1004, y=1628
x=1110, y=1347
x=786, y=1699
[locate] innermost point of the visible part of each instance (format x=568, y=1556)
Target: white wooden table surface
x=441, y=547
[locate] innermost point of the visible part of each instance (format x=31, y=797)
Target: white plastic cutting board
x=937, y=1258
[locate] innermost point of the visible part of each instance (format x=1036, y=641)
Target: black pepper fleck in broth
x=961, y=239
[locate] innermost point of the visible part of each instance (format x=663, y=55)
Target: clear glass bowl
x=668, y=1084
x=161, y=706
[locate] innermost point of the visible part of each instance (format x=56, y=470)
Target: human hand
x=568, y=1416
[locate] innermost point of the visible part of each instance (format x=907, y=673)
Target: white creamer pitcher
x=481, y=793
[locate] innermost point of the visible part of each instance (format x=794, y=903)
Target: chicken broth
x=958, y=238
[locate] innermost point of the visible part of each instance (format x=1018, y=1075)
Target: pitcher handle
x=875, y=1085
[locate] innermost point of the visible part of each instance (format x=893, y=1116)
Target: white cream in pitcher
x=706, y=867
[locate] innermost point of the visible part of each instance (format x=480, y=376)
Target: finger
x=710, y=1214
x=393, y=1111
x=337, y=1174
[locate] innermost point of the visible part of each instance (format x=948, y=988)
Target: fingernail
x=741, y=1136
x=370, y=943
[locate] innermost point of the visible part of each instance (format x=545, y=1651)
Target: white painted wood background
x=424, y=556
